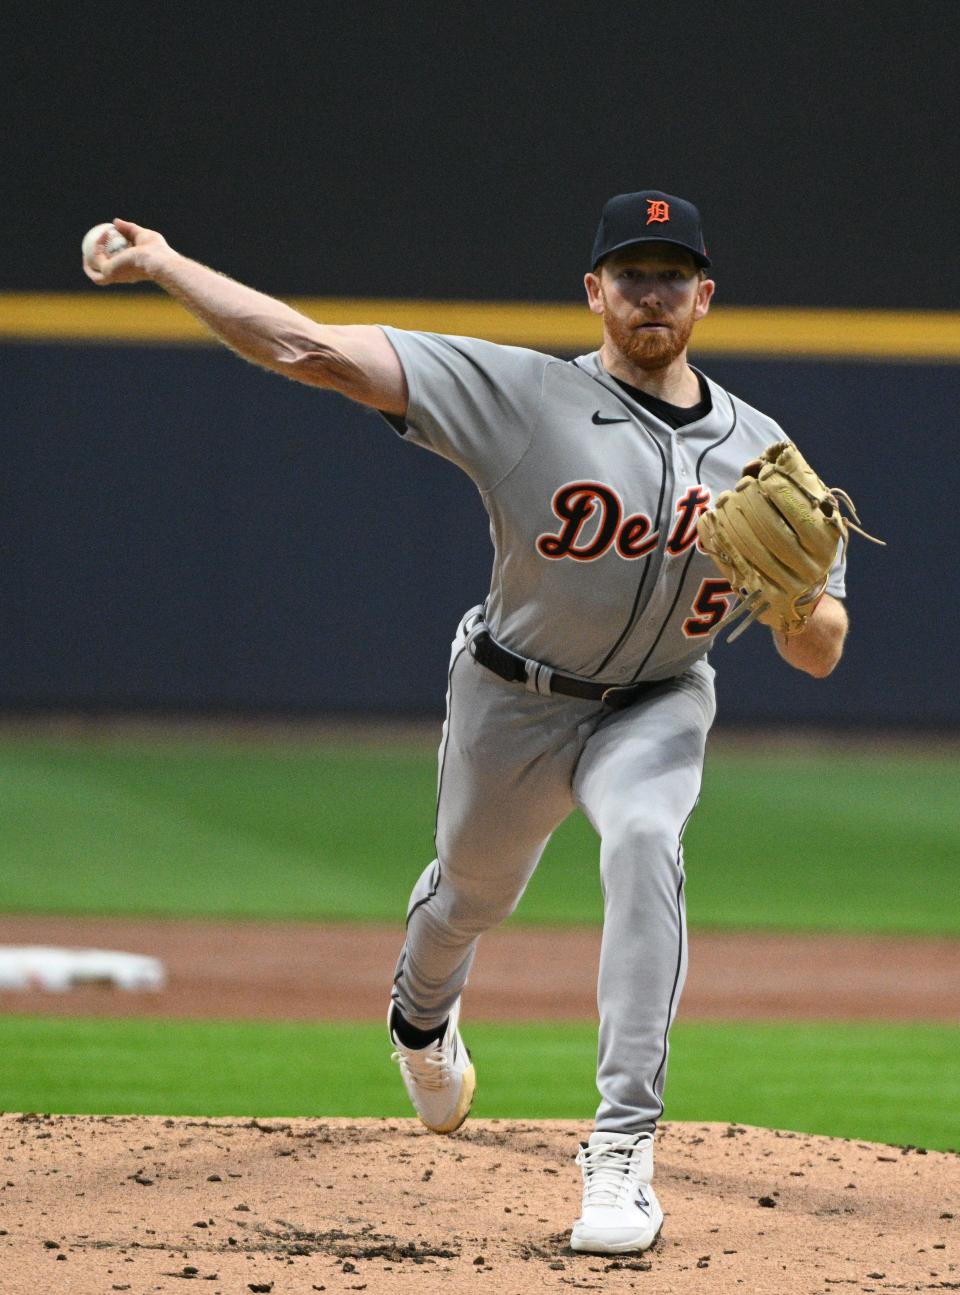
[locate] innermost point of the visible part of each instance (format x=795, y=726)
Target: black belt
x=508, y=665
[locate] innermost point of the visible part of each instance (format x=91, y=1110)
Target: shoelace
x=610, y=1172
x=428, y=1069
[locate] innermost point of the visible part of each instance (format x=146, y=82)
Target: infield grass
x=813, y=841
x=881, y=1083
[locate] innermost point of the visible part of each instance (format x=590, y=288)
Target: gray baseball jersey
x=593, y=501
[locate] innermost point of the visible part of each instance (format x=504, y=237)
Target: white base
x=57, y=970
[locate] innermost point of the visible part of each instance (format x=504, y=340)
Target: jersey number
x=710, y=605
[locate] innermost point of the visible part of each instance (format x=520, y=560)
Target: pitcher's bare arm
x=355, y=359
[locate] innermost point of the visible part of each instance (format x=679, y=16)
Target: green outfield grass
x=842, y=842
x=882, y=1083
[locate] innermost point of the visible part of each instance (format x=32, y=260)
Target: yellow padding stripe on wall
x=138, y=318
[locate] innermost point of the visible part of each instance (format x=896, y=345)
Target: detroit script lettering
x=592, y=521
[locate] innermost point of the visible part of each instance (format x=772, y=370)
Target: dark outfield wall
x=439, y=150
x=182, y=531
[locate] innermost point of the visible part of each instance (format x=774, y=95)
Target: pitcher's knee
x=473, y=916
x=642, y=836
x=464, y=913
x=479, y=887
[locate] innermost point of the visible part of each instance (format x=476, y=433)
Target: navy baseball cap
x=649, y=217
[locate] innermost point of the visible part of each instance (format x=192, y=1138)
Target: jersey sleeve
x=473, y=402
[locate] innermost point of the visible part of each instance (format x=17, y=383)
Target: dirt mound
x=101, y=1204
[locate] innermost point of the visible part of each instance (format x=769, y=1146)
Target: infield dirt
x=102, y=1204
x=308, y=971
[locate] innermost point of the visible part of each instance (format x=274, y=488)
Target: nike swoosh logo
x=598, y=420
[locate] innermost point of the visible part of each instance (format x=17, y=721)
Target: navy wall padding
x=182, y=531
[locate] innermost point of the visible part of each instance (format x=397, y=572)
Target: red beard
x=649, y=350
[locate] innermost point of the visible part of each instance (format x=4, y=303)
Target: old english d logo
x=658, y=211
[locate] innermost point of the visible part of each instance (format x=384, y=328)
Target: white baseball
x=115, y=243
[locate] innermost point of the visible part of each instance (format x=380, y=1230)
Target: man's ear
x=705, y=292
x=591, y=281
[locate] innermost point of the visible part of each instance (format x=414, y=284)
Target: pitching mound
x=100, y=1204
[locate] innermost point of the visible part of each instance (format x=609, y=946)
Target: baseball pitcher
x=634, y=505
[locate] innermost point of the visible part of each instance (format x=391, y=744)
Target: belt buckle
x=614, y=698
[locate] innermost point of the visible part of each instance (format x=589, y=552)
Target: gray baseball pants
x=512, y=766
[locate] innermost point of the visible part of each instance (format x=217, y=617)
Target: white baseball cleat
x=440, y=1078
x=620, y=1211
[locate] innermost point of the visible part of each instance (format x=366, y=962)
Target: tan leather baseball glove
x=775, y=537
